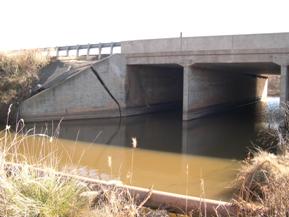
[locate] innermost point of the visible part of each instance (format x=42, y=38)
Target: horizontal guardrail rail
x=55, y=51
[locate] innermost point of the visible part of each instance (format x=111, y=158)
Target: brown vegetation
x=263, y=184
x=18, y=72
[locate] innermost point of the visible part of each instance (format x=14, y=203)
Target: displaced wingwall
x=80, y=95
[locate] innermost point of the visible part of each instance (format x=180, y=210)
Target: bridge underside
x=201, y=88
x=152, y=86
x=214, y=87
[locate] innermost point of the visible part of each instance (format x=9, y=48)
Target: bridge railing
x=55, y=51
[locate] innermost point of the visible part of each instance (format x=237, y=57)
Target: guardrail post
x=99, y=51
x=88, y=51
x=67, y=51
x=77, y=51
x=111, y=48
x=57, y=52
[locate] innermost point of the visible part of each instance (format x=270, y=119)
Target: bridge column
x=284, y=84
x=188, y=74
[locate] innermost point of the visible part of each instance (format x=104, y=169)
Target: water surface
x=198, y=157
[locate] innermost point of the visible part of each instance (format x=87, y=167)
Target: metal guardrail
x=77, y=48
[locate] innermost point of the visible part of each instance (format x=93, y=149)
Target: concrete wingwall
x=209, y=91
x=81, y=95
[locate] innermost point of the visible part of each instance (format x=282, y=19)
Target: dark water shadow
x=228, y=135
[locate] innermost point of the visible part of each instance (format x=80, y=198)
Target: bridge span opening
x=156, y=87
x=199, y=89
x=216, y=87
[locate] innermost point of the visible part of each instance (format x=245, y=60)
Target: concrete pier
x=200, y=75
x=284, y=81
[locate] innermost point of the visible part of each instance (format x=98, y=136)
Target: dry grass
x=25, y=191
x=112, y=202
x=263, y=184
x=18, y=72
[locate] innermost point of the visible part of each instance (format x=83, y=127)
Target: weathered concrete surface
x=80, y=95
x=209, y=43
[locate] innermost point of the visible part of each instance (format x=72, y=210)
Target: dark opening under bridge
x=201, y=75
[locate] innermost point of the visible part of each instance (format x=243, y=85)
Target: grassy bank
x=18, y=73
x=263, y=184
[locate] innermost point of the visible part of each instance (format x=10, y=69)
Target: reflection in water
x=210, y=147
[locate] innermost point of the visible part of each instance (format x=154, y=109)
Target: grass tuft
x=27, y=191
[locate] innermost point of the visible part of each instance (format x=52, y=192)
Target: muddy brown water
x=199, y=157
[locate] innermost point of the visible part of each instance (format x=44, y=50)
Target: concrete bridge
x=200, y=75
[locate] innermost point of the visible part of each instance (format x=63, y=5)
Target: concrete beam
x=208, y=43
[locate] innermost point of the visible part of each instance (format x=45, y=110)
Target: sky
x=50, y=23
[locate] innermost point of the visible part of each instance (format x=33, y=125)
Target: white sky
x=43, y=23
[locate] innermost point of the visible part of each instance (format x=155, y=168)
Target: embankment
x=18, y=73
